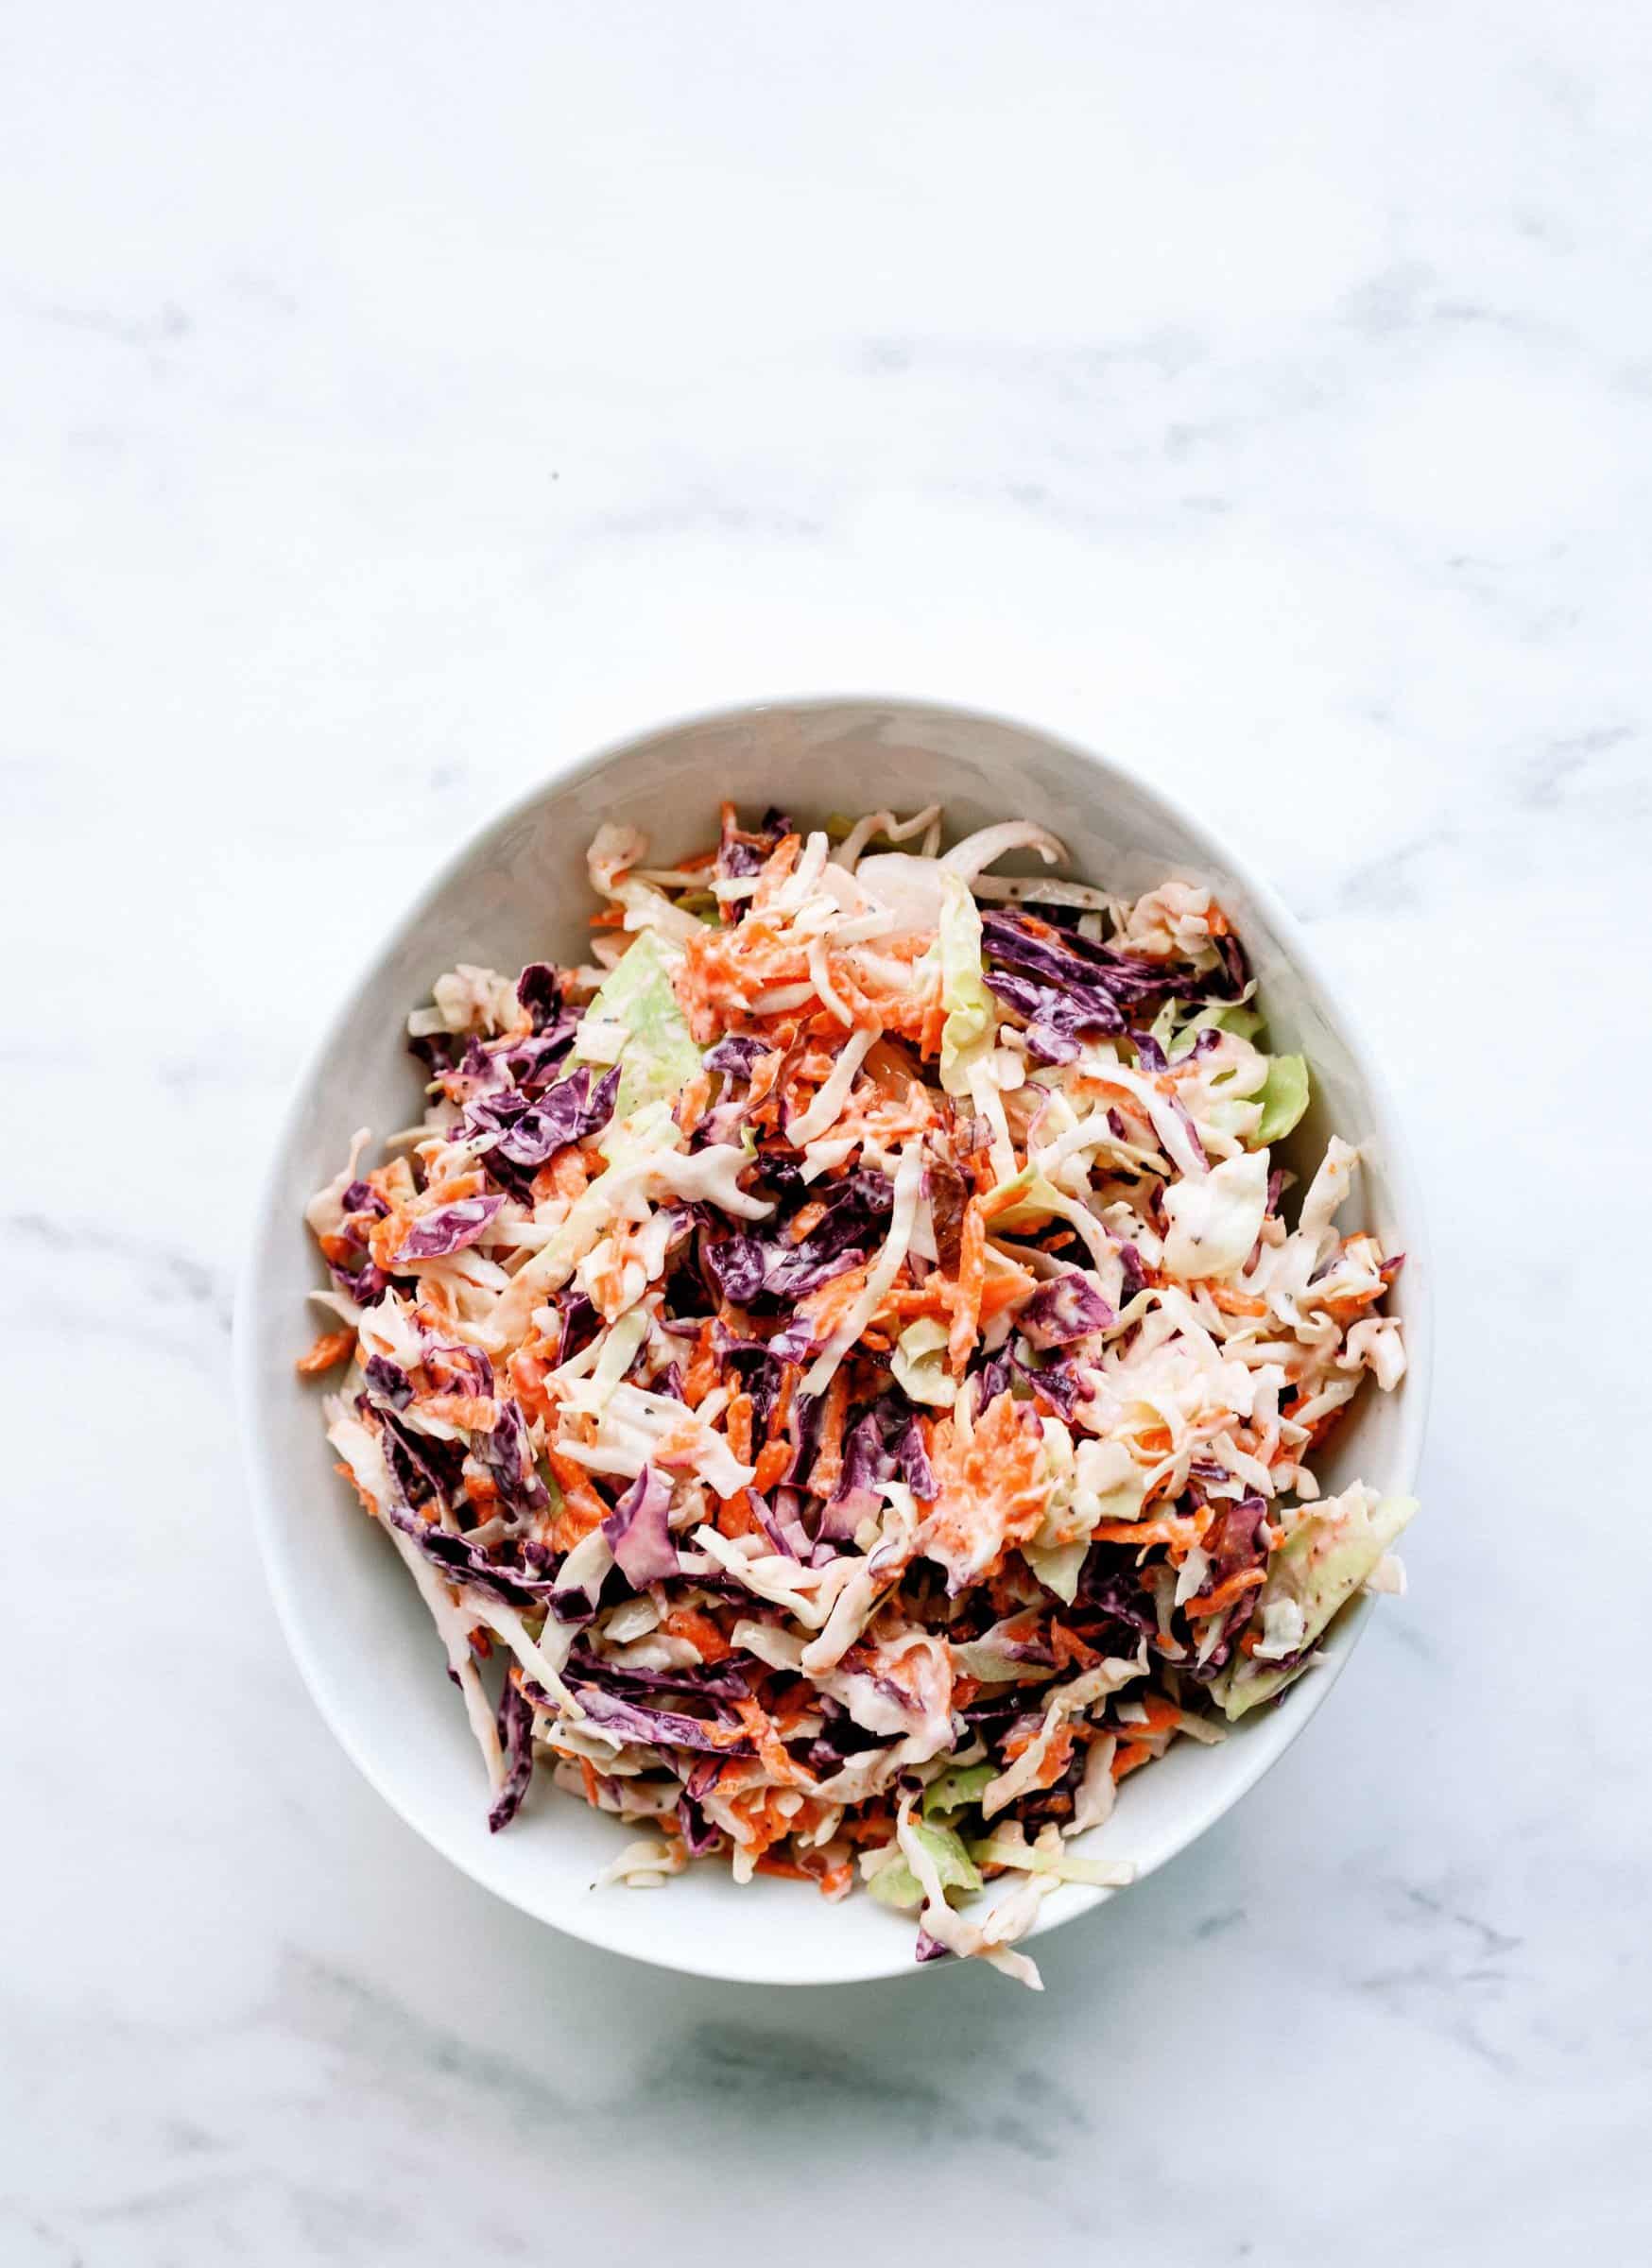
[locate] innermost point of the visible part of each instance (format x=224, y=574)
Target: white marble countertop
x=395, y=397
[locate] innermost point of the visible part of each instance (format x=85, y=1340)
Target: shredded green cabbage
x=1283, y=1097
x=1317, y=1568
x=658, y=1055
x=954, y=1789
x=971, y=1022
x=897, y=1885
x=919, y=1361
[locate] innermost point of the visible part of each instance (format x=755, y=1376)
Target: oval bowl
x=517, y=892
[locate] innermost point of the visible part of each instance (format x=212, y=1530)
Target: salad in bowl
x=844, y=1367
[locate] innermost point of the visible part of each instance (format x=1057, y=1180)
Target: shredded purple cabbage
x=700, y=1838
x=636, y=1528
x=528, y=1134
x=1064, y=1308
x=449, y=1229
x=658, y=1727
x=388, y=1384
x=716, y=1681
x=516, y=1739
x=912, y=1463
x=538, y=990
x=738, y=1055
x=461, y=1562
x=1061, y=1385
x=508, y=1455
x=460, y=1370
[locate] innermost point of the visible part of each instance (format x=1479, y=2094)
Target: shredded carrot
x=700, y=1631
x=735, y=1515
x=788, y=1869
x=1070, y=1649
x=1057, y=1756
x=873, y=1827
x=1172, y=1528
x=384, y=1239
x=690, y=1103
x=1004, y=1291
x=1320, y=1428
x=763, y=1103
x=773, y=1463
x=828, y=1468
x=792, y=1710
x=582, y=1508
x=789, y=1375
x=737, y=1424
x=456, y=1187
x=931, y=1298
x=1022, y=1629
x=1128, y=1755
x=702, y=1368
x=472, y=1412
x=755, y=1721
x=528, y=1373
x=1163, y=1715
x=937, y=1296
x=828, y=1307
x=364, y=1496
x=965, y=1321
x=759, y=1814
x=1234, y=1303
x=1000, y=1199
x=326, y=1353
x=837, y=1880
x=1225, y=1594
x=565, y=1176
x=992, y=1487
x=394, y=1182
x=775, y=869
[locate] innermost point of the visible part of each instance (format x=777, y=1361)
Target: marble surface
x=395, y=397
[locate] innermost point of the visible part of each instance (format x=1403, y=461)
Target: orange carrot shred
x=328, y=1351
x=828, y=1468
x=700, y=1631
x=773, y=1459
x=702, y=1369
x=789, y=1375
x=582, y=1508
x=737, y=1423
x=1219, y=1600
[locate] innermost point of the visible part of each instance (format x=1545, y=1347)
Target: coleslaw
x=840, y=1368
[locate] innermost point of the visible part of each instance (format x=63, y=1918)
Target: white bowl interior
x=519, y=892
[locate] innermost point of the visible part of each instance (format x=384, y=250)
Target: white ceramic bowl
x=518, y=893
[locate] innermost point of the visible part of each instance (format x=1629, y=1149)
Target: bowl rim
x=1285, y=1722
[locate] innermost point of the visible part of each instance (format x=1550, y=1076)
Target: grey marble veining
x=391, y=402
